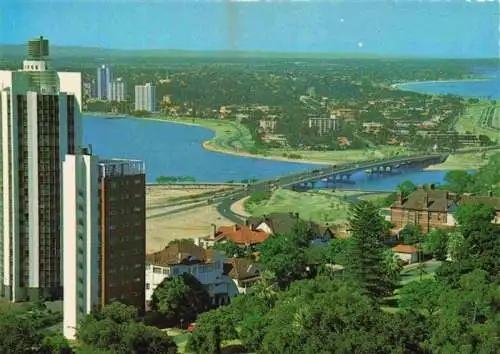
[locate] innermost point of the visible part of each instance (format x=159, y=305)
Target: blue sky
x=415, y=28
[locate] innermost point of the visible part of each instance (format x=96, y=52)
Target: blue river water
x=170, y=149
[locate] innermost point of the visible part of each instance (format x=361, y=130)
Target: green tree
x=230, y=249
x=180, y=299
x=424, y=295
x=115, y=328
x=473, y=216
x=412, y=234
x=212, y=328
x=436, y=243
x=284, y=256
x=365, y=261
x=407, y=187
x=457, y=181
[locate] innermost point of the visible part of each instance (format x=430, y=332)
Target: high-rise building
x=325, y=125
x=104, y=77
x=116, y=90
x=145, y=98
x=105, y=235
x=40, y=124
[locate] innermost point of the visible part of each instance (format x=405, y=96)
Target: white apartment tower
x=40, y=124
x=81, y=239
x=145, y=98
x=116, y=90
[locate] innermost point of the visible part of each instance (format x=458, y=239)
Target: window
x=147, y=286
x=157, y=270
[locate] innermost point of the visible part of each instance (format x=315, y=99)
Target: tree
x=457, y=181
x=230, y=249
x=412, y=234
x=212, y=328
x=365, y=261
x=180, y=299
x=436, y=243
x=424, y=295
x=473, y=216
x=115, y=328
x=283, y=256
x=407, y=187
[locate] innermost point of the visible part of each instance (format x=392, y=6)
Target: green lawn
x=467, y=161
x=469, y=121
x=312, y=205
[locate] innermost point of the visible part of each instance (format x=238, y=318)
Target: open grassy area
x=465, y=161
x=469, y=122
x=313, y=205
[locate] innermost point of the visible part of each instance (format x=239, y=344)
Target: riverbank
x=470, y=161
x=235, y=139
x=402, y=85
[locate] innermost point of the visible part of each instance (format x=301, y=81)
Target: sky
x=453, y=28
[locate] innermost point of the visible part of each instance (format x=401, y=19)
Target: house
x=433, y=209
x=372, y=127
x=242, y=235
x=324, y=125
x=243, y=273
x=284, y=223
x=268, y=125
x=408, y=254
x=186, y=257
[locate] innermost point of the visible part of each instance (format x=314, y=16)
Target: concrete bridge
x=190, y=185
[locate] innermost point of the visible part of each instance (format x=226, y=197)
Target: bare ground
x=192, y=223
x=239, y=207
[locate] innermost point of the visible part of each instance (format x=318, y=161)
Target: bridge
x=343, y=171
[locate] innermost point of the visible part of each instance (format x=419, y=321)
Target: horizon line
x=260, y=51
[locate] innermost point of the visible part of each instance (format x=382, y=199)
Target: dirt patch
x=239, y=207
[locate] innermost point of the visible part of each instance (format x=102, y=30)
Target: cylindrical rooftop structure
x=38, y=48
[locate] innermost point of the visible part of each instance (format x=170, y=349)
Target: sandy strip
x=239, y=207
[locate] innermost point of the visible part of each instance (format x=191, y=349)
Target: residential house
x=433, y=209
x=242, y=273
x=372, y=127
x=268, y=125
x=408, y=254
x=242, y=235
x=186, y=257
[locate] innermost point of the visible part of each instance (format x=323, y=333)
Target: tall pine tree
x=365, y=262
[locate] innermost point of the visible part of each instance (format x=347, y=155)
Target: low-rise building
x=372, y=127
x=433, y=209
x=268, y=125
x=243, y=273
x=325, y=125
x=408, y=254
x=242, y=235
x=207, y=265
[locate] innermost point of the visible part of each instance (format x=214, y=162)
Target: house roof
x=441, y=200
x=279, y=223
x=433, y=200
x=404, y=249
x=181, y=253
x=241, y=268
x=241, y=234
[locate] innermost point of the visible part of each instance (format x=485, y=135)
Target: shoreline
x=207, y=144
x=402, y=84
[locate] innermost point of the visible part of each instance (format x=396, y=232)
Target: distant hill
x=17, y=50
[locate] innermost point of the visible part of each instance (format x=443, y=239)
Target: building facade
x=104, y=77
x=207, y=265
x=325, y=125
x=117, y=90
x=104, y=233
x=40, y=115
x=145, y=98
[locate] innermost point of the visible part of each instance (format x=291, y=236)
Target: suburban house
x=243, y=273
x=408, y=254
x=433, y=209
x=284, y=223
x=242, y=235
x=207, y=265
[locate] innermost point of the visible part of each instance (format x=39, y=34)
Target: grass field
x=465, y=161
x=469, y=122
x=313, y=205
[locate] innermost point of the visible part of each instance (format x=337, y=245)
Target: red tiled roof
x=241, y=234
x=404, y=249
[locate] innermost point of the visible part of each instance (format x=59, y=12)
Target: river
x=170, y=149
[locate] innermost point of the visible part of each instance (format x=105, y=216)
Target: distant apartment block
x=268, y=125
x=40, y=124
x=145, y=98
x=325, y=125
x=104, y=78
x=117, y=90
x=104, y=233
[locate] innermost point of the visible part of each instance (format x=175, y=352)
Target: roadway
x=224, y=202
